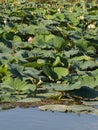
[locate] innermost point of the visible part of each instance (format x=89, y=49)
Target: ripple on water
x=33, y=119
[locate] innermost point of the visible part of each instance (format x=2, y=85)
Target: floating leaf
x=57, y=61
x=16, y=86
x=66, y=108
x=49, y=72
x=57, y=42
x=63, y=87
x=41, y=62
x=17, y=38
x=28, y=100
x=61, y=72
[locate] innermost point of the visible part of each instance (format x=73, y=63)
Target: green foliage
x=61, y=71
x=16, y=86
x=53, y=42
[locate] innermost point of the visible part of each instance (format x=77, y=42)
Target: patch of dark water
x=34, y=119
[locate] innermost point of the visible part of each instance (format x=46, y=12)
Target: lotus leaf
x=61, y=71
x=66, y=108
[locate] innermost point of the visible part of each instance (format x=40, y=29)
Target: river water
x=34, y=119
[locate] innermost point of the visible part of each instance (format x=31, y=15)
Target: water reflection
x=33, y=119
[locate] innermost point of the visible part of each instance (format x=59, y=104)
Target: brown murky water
x=33, y=119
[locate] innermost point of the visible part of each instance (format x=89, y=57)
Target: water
x=34, y=119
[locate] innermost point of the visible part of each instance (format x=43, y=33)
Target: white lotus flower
x=91, y=26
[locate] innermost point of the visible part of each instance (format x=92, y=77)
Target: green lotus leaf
x=88, y=64
x=28, y=100
x=82, y=43
x=91, y=50
x=33, y=64
x=89, y=81
x=39, y=40
x=49, y=72
x=66, y=108
x=41, y=30
x=29, y=29
x=72, y=52
x=17, y=38
x=16, y=86
x=56, y=62
x=61, y=72
x=7, y=98
x=58, y=42
x=31, y=73
x=80, y=58
x=63, y=87
x=41, y=62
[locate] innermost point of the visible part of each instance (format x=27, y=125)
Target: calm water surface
x=34, y=119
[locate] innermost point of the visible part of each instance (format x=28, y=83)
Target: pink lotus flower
x=30, y=39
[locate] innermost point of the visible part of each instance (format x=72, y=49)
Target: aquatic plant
x=51, y=45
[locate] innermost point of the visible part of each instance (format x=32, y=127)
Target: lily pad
x=29, y=100
x=91, y=103
x=61, y=71
x=52, y=95
x=66, y=108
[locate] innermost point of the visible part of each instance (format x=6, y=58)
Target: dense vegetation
x=51, y=45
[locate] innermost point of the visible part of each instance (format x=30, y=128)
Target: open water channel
x=34, y=119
